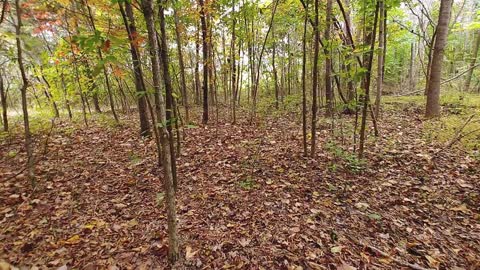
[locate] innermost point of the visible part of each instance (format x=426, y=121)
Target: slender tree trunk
x=257, y=76
x=65, y=95
x=328, y=62
x=203, y=21
x=274, y=68
x=183, y=84
x=26, y=122
x=304, y=83
x=233, y=66
x=104, y=67
x=476, y=46
x=315, y=81
x=137, y=67
x=197, y=63
x=368, y=62
x=380, y=61
x=411, y=70
x=3, y=99
x=433, y=89
x=173, y=252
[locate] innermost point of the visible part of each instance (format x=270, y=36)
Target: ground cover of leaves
x=247, y=199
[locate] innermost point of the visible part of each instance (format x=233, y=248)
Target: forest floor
x=247, y=199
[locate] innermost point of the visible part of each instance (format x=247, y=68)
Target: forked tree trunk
x=433, y=88
x=23, y=89
x=161, y=124
x=368, y=62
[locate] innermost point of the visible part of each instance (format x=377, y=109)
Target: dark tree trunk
x=315, y=80
x=137, y=68
x=368, y=62
x=304, y=83
x=3, y=99
x=328, y=61
x=203, y=21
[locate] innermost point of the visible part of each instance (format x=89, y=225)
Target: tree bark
x=173, y=252
x=328, y=61
x=380, y=61
x=433, y=88
x=233, y=66
x=137, y=67
x=183, y=84
x=3, y=99
x=315, y=80
x=304, y=83
x=368, y=62
x=203, y=22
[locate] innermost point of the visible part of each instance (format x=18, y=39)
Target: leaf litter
x=247, y=198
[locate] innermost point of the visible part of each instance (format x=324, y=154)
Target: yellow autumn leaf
x=73, y=240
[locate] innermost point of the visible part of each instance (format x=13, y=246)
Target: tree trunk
x=137, y=67
x=3, y=99
x=368, y=62
x=328, y=61
x=473, y=60
x=411, y=69
x=197, y=61
x=203, y=21
x=315, y=80
x=183, y=84
x=173, y=252
x=433, y=89
x=104, y=67
x=257, y=76
x=26, y=122
x=233, y=66
x=380, y=61
x=304, y=83
x=274, y=68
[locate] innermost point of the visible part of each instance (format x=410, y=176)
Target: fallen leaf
x=73, y=240
x=345, y=266
x=189, y=253
x=336, y=249
x=461, y=208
